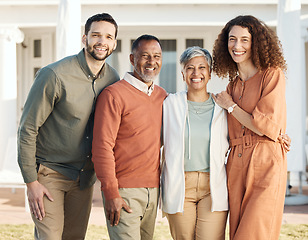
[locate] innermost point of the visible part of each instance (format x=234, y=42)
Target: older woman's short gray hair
x=195, y=51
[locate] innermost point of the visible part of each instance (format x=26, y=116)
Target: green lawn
x=25, y=232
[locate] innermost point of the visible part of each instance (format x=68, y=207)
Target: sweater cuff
x=110, y=193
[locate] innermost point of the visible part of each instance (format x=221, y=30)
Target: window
x=194, y=42
x=113, y=59
x=35, y=70
x=37, y=48
x=167, y=77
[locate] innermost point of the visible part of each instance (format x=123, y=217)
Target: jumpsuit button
x=243, y=126
x=240, y=97
x=239, y=155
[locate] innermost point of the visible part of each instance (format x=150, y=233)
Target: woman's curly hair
x=266, y=49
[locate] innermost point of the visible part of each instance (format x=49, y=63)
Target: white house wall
x=181, y=15
x=146, y=15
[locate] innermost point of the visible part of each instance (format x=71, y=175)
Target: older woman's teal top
x=198, y=135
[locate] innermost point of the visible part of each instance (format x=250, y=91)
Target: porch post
x=68, y=28
x=289, y=32
x=8, y=93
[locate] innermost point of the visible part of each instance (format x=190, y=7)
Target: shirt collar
x=141, y=86
x=84, y=66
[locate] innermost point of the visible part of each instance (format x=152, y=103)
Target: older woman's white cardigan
x=175, y=112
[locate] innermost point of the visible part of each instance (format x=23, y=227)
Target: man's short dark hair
x=100, y=17
x=144, y=37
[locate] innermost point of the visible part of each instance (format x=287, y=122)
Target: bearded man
x=55, y=134
x=126, y=144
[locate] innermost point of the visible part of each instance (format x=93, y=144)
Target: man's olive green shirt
x=56, y=126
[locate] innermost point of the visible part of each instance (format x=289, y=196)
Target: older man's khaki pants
x=140, y=224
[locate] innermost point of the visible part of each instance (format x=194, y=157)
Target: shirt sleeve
x=270, y=112
x=106, y=125
x=38, y=106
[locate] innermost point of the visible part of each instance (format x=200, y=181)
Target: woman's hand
x=223, y=99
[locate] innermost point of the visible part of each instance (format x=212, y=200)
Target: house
x=28, y=41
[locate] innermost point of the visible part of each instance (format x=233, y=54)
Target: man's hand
x=285, y=140
x=113, y=209
x=35, y=193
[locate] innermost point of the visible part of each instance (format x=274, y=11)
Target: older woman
x=250, y=54
x=193, y=182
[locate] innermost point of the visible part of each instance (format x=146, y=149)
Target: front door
x=37, y=50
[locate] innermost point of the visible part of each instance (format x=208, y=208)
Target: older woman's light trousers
x=197, y=221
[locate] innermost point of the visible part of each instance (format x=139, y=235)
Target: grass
x=293, y=231
x=25, y=232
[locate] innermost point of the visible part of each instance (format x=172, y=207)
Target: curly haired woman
x=249, y=53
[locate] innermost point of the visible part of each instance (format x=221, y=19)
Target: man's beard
x=146, y=78
x=95, y=56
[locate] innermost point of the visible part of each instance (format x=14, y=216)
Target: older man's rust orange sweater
x=126, y=138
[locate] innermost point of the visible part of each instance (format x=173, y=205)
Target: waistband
x=248, y=140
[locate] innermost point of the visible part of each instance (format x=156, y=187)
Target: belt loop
x=247, y=141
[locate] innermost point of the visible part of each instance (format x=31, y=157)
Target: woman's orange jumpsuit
x=257, y=166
